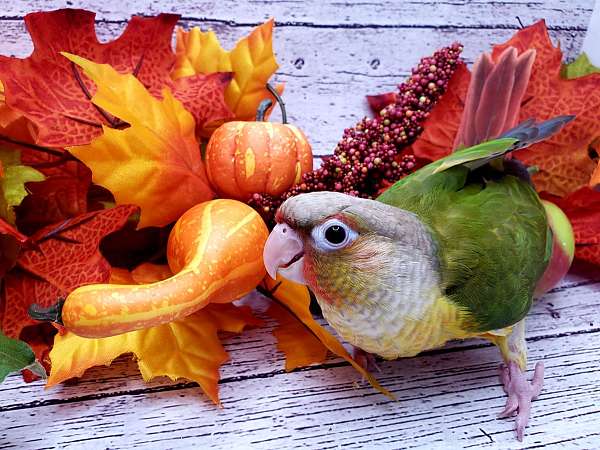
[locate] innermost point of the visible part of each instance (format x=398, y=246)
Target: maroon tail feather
x=494, y=96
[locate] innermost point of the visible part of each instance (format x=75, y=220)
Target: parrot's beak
x=284, y=253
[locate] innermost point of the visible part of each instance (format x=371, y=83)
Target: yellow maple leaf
x=155, y=163
x=295, y=298
x=189, y=348
x=252, y=63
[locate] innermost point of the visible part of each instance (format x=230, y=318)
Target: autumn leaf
x=379, y=101
x=9, y=230
x=155, y=163
x=581, y=67
x=297, y=342
x=252, y=63
x=203, y=96
x=189, y=348
x=12, y=123
x=13, y=176
x=51, y=92
x=62, y=195
x=60, y=258
x=582, y=207
x=11, y=241
x=295, y=299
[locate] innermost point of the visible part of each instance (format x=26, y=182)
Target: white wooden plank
x=444, y=401
x=324, y=95
x=565, y=311
x=571, y=14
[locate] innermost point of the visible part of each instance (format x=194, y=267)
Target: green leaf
x=12, y=182
x=15, y=355
x=578, y=68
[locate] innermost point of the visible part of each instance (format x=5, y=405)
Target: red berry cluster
x=368, y=158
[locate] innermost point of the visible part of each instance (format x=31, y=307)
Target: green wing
x=491, y=228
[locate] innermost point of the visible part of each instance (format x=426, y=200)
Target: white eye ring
x=333, y=235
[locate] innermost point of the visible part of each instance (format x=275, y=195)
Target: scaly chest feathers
x=384, y=298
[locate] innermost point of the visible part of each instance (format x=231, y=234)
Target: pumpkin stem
x=51, y=314
x=280, y=101
x=262, y=109
x=266, y=104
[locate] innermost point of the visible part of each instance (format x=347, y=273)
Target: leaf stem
x=51, y=151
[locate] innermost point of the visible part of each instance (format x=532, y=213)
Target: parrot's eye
x=333, y=235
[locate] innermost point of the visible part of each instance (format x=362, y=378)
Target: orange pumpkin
x=215, y=252
x=247, y=157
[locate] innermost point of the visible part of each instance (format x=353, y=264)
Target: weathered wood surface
x=331, y=54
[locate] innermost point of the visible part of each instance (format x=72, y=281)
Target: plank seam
x=350, y=26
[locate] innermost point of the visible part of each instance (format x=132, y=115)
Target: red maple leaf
x=379, y=101
x=53, y=93
x=62, y=195
x=61, y=258
x=204, y=96
x=11, y=241
x=583, y=209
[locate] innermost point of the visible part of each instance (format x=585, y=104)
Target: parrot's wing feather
x=490, y=227
x=523, y=135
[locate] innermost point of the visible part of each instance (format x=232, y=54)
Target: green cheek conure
x=455, y=250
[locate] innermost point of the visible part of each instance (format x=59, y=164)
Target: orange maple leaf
x=155, y=163
x=251, y=62
x=51, y=92
x=295, y=299
x=189, y=348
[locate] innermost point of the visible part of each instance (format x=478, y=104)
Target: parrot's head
x=344, y=248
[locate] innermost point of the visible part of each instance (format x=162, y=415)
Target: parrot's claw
x=520, y=393
x=365, y=360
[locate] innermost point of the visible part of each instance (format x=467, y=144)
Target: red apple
x=563, y=249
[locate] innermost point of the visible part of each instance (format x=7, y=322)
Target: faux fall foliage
x=122, y=128
x=108, y=113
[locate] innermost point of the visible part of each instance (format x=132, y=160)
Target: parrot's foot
x=520, y=393
x=365, y=360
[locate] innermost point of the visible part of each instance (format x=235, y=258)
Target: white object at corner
x=591, y=43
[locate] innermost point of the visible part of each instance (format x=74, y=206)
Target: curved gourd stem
x=51, y=314
x=266, y=104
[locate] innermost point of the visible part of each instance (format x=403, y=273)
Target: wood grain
x=331, y=54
